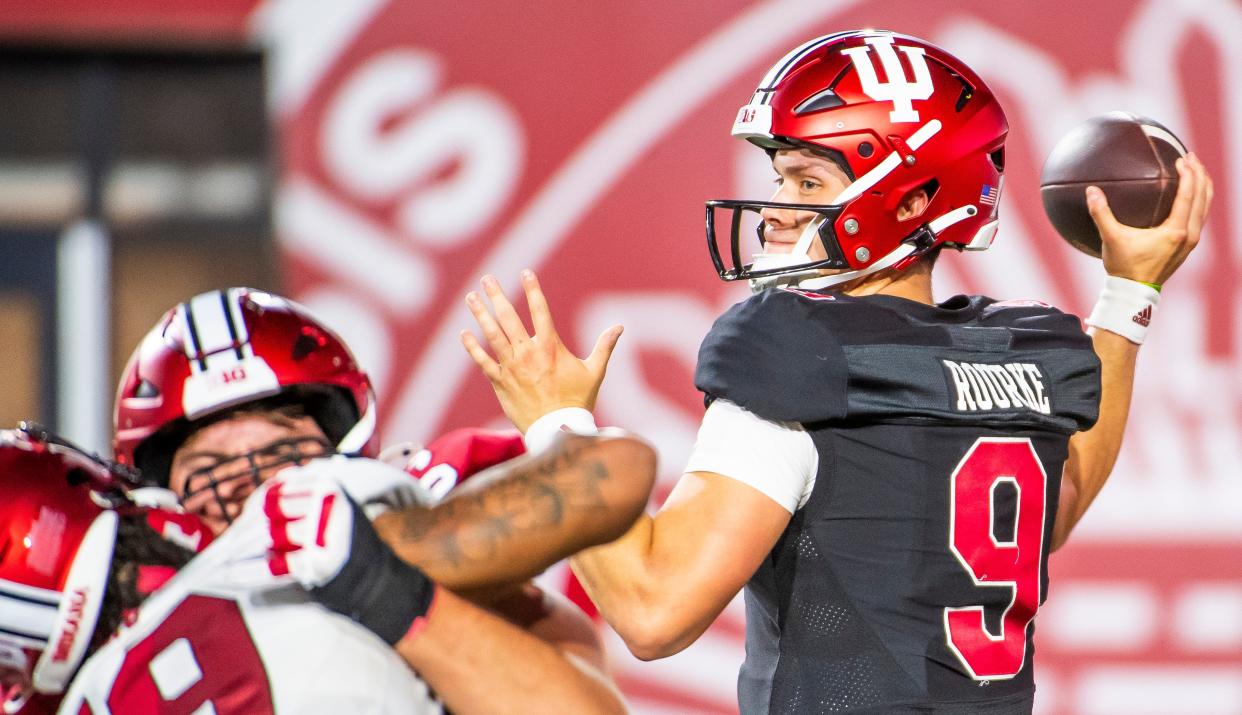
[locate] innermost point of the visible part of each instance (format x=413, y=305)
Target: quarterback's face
x=220, y=465
x=802, y=177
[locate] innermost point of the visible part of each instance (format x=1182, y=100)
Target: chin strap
x=815, y=279
x=800, y=254
x=899, y=254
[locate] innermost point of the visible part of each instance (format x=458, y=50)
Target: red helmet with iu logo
x=56, y=545
x=899, y=115
x=223, y=349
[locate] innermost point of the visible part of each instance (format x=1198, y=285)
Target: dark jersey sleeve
x=770, y=355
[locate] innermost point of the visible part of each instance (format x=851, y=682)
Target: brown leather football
x=1131, y=158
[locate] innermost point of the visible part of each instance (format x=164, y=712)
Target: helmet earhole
x=865, y=149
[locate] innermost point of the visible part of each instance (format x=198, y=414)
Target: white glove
x=378, y=487
x=321, y=537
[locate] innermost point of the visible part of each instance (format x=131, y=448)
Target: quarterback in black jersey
x=886, y=476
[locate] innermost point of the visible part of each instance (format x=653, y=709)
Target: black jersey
x=909, y=580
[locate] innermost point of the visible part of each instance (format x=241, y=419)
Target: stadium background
x=372, y=158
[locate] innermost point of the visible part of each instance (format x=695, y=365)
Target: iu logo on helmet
x=897, y=89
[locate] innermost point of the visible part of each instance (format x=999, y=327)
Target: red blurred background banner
x=126, y=22
x=425, y=144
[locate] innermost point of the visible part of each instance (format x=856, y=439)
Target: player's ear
x=913, y=204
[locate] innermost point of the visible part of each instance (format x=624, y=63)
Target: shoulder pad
x=454, y=457
x=1036, y=325
x=777, y=355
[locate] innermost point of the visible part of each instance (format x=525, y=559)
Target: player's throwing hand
x=1151, y=255
x=533, y=374
x=321, y=537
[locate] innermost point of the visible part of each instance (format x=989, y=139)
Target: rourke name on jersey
x=980, y=387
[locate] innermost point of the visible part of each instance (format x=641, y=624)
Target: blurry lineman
x=240, y=402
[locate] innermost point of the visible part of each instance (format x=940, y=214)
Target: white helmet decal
x=897, y=89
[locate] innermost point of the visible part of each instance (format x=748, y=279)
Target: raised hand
x=533, y=374
x=1151, y=255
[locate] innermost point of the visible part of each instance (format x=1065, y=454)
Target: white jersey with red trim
x=224, y=636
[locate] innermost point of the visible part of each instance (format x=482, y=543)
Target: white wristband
x=1126, y=308
x=543, y=431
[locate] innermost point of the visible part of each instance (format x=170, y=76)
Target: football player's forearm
x=620, y=581
x=1094, y=452
x=652, y=603
x=506, y=527
x=662, y=584
x=478, y=662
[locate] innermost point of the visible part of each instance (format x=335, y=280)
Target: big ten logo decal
x=447, y=160
x=896, y=88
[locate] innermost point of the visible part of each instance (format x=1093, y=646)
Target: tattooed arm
x=511, y=523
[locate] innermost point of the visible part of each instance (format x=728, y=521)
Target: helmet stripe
x=239, y=323
x=212, y=322
x=26, y=619
x=23, y=640
x=215, y=336
x=30, y=594
x=779, y=70
x=192, y=350
x=228, y=319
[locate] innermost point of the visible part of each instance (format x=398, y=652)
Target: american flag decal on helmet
x=989, y=195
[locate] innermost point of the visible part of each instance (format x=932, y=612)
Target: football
x=1131, y=158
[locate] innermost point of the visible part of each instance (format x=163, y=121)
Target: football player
x=72, y=567
x=885, y=475
x=235, y=388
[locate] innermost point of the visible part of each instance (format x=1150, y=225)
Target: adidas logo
x=1143, y=317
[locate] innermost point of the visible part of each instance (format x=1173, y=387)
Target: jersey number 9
x=1012, y=562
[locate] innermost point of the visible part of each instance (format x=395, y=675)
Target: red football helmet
x=228, y=347
x=56, y=542
x=899, y=114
